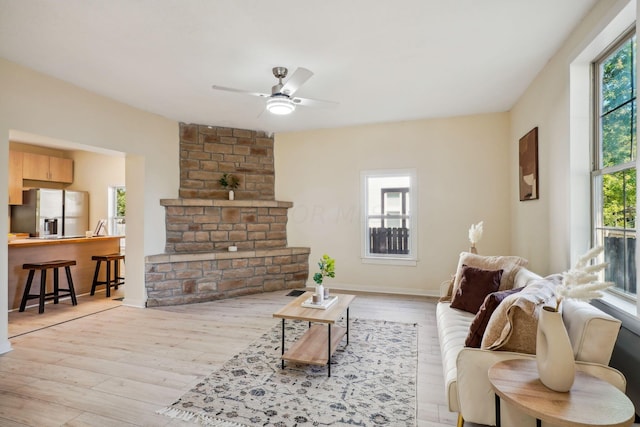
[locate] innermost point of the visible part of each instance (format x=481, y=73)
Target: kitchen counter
x=41, y=241
x=80, y=249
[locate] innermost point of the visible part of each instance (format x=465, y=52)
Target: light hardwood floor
x=118, y=366
x=30, y=321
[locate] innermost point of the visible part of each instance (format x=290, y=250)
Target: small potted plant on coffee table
x=327, y=266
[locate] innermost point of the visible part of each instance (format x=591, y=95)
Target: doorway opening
x=101, y=173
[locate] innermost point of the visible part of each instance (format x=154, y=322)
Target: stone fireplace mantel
x=227, y=203
x=202, y=225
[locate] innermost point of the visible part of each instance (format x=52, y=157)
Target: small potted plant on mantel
x=231, y=182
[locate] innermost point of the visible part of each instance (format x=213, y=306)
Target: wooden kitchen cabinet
x=15, y=177
x=35, y=166
x=41, y=167
x=61, y=170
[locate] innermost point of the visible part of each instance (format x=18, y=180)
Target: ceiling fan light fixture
x=280, y=105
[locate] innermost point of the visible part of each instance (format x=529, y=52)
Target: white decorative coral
x=475, y=233
x=581, y=282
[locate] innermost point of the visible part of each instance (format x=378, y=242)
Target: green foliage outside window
x=615, y=173
x=121, y=202
x=618, y=136
x=619, y=199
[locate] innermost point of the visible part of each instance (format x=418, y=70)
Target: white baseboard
x=5, y=347
x=360, y=288
x=137, y=303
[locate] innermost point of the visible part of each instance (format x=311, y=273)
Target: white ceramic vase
x=231, y=195
x=320, y=292
x=554, y=354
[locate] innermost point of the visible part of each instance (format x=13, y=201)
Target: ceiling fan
x=281, y=100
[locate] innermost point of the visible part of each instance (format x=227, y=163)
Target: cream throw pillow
x=508, y=264
x=514, y=324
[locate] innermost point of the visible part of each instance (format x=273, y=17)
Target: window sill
x=407, y=262
x=619, y=303
x=620, y=308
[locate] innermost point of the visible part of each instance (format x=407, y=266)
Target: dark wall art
x=529, y=166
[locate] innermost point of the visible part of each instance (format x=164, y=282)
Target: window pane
x=120, y=202
x=618, y=84
x=618, y=136
x=620, y=252
x=117, y=211
x=618, y=231
x=392, y=202
x=388, y=240
x=619, y=199
x=630, y=198
x=387, y=214
x=375, y=222
x=614, y=194
x=377, y=184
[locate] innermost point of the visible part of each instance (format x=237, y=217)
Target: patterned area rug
x=372, y=383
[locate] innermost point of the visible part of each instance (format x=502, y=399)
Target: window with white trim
x=614, y=189
x=389, y=207
x=117, y=210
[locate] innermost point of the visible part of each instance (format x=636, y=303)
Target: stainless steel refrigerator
x=51, y=213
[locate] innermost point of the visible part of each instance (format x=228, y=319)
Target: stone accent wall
x=206, y=152
x=202, y=224
x=197, y=225
x=190, y=278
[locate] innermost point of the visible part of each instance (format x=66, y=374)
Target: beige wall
x=554, y=230
x=463, y=178
x=95, y=173
x=37, y=104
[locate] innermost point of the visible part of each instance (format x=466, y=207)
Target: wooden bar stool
x=115, y=280
x=44, y=295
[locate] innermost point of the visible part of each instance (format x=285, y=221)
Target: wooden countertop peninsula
x=80, y=249
x=36, y=241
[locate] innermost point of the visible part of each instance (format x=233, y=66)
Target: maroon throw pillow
x=475, y=285
x=480, y=322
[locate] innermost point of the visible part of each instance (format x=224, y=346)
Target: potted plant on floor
x=231, y=182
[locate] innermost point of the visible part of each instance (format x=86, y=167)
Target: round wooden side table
x=590, y=402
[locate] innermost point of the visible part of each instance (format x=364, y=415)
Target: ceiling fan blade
x=296, y=80
x=246, y=92
x=315, y=102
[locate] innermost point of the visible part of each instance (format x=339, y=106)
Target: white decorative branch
x=475, y=233
x=582, y=281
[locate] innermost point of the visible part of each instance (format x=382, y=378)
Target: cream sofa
x=468, y=391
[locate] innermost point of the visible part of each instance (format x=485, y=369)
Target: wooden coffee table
x=317, y=345
x=590, y=402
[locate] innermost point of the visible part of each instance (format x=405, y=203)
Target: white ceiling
x=382, y=60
